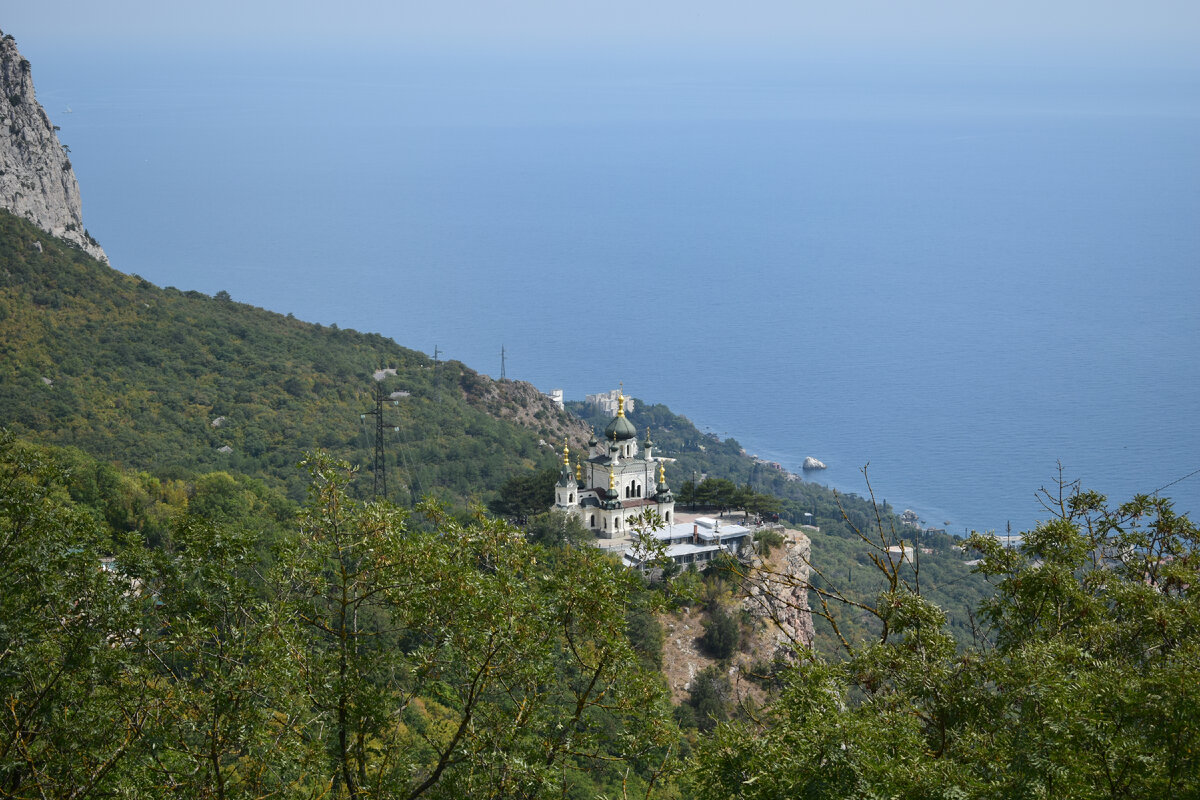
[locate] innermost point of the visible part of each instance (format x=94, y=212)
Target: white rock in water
x=812, y=463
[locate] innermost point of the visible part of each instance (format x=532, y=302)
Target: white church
x=616, y=482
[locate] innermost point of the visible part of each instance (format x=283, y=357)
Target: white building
x=615, y=483
x=693, y=545
x=608, y=402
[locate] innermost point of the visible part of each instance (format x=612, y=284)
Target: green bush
x=721, y=633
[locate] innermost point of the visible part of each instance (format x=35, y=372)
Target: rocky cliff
x=523, y=404
x=777, y=593
x=36, y=179
x=772, y=592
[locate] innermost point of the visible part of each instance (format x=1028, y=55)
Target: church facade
x=616, y=482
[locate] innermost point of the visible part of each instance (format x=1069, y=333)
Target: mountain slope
x=162, y=380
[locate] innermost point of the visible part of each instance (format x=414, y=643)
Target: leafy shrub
x=721, y=633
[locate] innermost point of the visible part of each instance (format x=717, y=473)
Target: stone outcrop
x=774, y=593
x=777, y=593
x=812, y=463
x=521, y=402
x=36, y=179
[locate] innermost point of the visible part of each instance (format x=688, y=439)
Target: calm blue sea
x=961, y=275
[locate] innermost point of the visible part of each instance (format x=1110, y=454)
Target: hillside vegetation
x=162, y=380
x=350, y=649
x=177, y=385
x=179, y=621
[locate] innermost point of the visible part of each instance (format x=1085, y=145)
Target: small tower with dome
x=566, y=491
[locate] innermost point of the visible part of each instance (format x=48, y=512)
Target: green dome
x=620, y=429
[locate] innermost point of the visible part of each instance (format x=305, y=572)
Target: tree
x=76, y=699
x=525, y=494
x=347, y=569
x=554, y=528
x=710, y=695
x=234, y=722
x=716, y=493
x=449, y=659
x=1095, y=629
x=647, y=550
x=1080, y=685
x=721, y=633
x=219, y=498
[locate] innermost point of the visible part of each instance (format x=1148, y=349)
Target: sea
x=962, y=279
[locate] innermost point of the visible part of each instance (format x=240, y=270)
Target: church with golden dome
x=615, y=482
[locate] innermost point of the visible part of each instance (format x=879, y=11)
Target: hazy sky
x=1127, y=28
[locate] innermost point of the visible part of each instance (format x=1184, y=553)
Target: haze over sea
x=960, y=276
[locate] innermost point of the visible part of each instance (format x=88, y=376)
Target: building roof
x=620, y=429
x=685, y=530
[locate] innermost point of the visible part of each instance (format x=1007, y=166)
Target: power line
x=1177, y=480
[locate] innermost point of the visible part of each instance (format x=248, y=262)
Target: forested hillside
x=176, y=383
x=177, y=624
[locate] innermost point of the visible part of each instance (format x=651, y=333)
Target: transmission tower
x=502, y=375
x=380, y=466
x=437, y=381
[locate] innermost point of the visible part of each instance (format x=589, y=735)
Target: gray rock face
x=812, y=463
x=782, y=596
x=36, y=179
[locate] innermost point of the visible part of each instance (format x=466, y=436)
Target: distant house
x=608, y=402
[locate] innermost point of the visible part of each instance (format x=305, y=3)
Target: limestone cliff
x=36, y=179
x=773, y=592
x=777, y=593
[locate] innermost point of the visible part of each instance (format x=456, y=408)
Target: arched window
x=639, y=490
x=571, y=498
x=668, y=517
x=593, y=522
